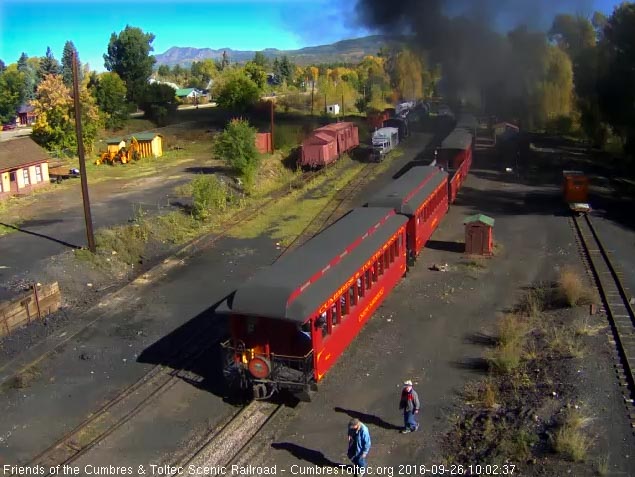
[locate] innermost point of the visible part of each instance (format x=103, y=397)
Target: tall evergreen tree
x=2, y=66
x=129, y=56
x=30, y=77
x=48, y=65
x=67, y=64
x=224, y=63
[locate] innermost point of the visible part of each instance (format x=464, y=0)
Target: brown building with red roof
x=23, y=166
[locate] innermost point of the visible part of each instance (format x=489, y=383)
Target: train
x=290, y=323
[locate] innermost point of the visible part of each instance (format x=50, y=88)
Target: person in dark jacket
x=358, y=444
x=410, y=404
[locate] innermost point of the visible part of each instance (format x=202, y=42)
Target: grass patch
x=572, y=289
x=6, y=230
x=516, y=445
x=483, y=394
x=534, y=302
x=602, y=466
x=284, y=220
x=506, y=357
x=584, y=327
x=563, y=341
x=570, y=440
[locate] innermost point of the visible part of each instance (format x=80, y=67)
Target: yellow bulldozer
x=124, y=155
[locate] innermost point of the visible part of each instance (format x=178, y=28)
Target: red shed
x=479, y=235
x=318, y=150
x=263, y=142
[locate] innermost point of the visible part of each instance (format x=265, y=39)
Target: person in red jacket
x=410, y=404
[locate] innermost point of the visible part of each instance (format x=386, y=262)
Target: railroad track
x=337, y=205
x=224, y=445
x=132, y=400
x=616, y=305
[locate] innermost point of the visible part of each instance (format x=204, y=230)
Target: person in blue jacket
x=358, y=444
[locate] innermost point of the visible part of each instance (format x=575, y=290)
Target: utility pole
x=325, y=107
x=82, y=162
x=342, y=102
x=312, y=91
x=272, y=147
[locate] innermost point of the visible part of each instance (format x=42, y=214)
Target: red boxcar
x=455, y=156
x=318, y=150
x=292, y=321
x=343, y=133
x=421, y=194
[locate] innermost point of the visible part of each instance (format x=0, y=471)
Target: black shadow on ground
x=478, y=365
x=368, y=419
x=481, y=339
x=176, y=349
x=309, y=455
x=52, y=239
x=206, y=169
x=455, y=247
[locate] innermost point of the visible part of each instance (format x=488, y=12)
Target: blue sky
x=32, y=25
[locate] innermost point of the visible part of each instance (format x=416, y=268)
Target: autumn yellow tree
x=55, y=125
x=407, y=75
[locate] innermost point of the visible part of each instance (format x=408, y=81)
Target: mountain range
x=348, y=51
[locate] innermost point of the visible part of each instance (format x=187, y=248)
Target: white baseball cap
x=407, y=383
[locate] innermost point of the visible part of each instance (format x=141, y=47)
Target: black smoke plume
x=469, y=39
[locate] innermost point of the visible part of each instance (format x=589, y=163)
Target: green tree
x=163, y=71
x=224, y=62
x=110, y=94
x=158, y=102
x=260, y=59
x=2, y=66
x=286, y=69
x=573, y=34
x=30, y=76
x=67, y=64
x=236, y=145
x=256, y=73
x=407, y=75
x=234, y=90
x=11, y=93
x=617, y=77
x=55, y=124
x=129, y=56
x=48, y=65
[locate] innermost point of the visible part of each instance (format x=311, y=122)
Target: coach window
x=386, y=260
x=321, y=323
x=352, y=296
x=374, y=272
x=391, y=251
x=367, y=280
x=379, y=266
x=344, y=305
x=360, y=286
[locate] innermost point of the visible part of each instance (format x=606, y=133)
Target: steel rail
x=104, y=421
x=614, y=297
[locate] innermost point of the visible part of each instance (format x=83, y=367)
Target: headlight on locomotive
x=259, y=367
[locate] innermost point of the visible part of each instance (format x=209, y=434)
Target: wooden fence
x=29, y=306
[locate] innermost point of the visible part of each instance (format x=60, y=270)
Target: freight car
x=326, y=144
x=421, y=194
x=291, y=322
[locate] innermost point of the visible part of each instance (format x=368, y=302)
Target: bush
x=236, y=145
x=574, y=292
x=560, y=125
x=208, y=194
x=570, y=439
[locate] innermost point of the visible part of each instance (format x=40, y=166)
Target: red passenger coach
x=455, y=156
x=292, y=321
x=421, y=194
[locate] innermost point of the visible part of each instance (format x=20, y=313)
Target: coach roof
x=297, y=284
x=408, y=192
x=457, y=139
